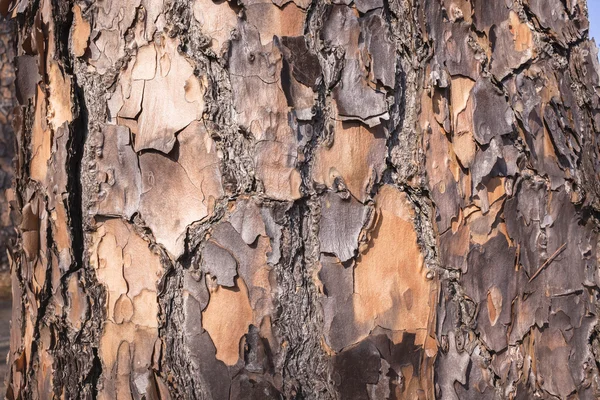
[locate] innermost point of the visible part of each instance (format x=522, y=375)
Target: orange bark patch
x=77, y=302
x=460, y=9
x=226, y=320
x=145, y=309
x=494, y=304
x=462, y=108
x=129, y=270
x=275, y=168
x=165, y=109
x=465, y=148
x=522, y=34
x=272, y=20
x=123, y=309
x=496, y=189
x=110, y=269
x=217, y=19
x=80, y=33
x=459, y=94
x=59, y=110
x=145, y=63
x=62, y=236
x=125, y=350
x=126, y=266
x=41, y=140
x=391, y=289
x=355, y=156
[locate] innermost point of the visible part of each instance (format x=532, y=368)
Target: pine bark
x=265, y=199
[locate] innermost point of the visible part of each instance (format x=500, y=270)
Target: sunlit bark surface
x=265, y=199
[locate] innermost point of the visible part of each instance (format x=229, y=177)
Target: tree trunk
x=270, y=199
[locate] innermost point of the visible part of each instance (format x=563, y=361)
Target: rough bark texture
x=313, y=200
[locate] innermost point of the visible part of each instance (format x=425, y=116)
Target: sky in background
x=594, y=11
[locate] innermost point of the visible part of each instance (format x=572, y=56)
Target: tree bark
x=303, y=199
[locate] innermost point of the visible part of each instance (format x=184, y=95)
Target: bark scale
x=294, y=199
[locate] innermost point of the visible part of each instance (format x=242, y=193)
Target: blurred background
x=7, y=147
x=594, y=13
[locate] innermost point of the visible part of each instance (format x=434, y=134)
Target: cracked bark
x=304, y=199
